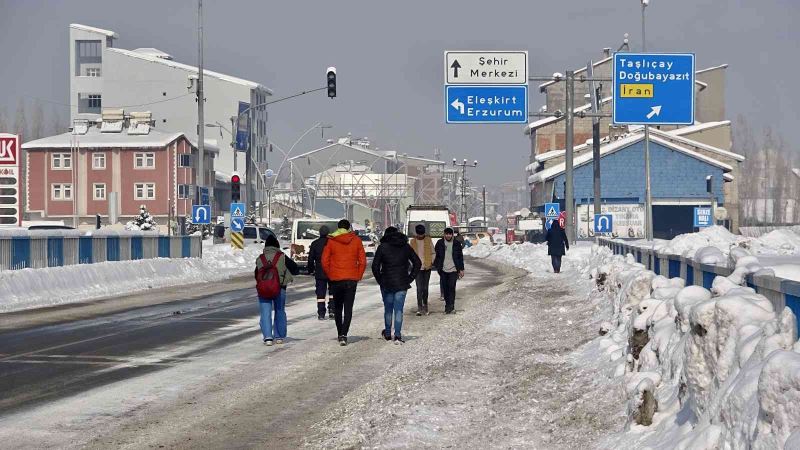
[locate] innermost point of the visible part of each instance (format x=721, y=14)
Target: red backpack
x=268, y=283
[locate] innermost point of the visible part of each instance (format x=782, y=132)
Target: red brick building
x=73, y=174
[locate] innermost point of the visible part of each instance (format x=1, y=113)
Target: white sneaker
x=279, y=341
x=268, y=342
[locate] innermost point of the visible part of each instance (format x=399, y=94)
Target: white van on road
x=304, y=232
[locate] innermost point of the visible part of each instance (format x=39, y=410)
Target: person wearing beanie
x=395, y=265
x=274, y=327
x=422, y=244
x=344, y=262
x=449, y=263
x=315, y=268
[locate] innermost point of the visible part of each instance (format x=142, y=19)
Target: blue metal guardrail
x=781, y=292
x=42, y=250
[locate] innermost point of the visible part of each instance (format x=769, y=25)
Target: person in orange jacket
x=344, y=262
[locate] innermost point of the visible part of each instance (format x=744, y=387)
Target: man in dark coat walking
x=394, y=266
x=449, y=263
x=557, y=244
x=315, y=268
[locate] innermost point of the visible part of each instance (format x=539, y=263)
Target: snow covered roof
x=721, y=66
x=550, y=120
x=727, y=177
x=108, y=33
x=699, y=126
x=188, y=68
x=342, y=150
x=96, y=139
x=153, y=52
x=690, y=142
x=617, y=145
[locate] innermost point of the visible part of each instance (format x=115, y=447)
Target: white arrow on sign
x=458, y=105
x=655, y=111
x=197, y=214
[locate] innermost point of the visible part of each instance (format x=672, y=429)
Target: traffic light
x=331, y=82
x=236, y=188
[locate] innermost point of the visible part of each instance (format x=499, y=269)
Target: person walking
x=449, y=263
x=273, y=262
x=394, y=266
x=344, y=262
x=423, y=248
x=557, y=244
x=321, y=280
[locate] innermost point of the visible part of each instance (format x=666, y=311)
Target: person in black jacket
x=315, y=268
x=556, y=244
x=394, y=266
x=449, y=262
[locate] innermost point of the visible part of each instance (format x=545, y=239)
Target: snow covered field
x=690, y=368
x=33, y=288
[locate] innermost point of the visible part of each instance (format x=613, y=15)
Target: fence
x=781, y=292
x=37, y=250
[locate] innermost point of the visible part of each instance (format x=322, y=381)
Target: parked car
x=251, y=233
x=369, y=244
x=479, y=237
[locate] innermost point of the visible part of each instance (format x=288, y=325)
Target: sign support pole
x=568, y=190
x=648, y=199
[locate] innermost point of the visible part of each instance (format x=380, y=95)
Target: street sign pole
x=568, y=190
x=648, y=199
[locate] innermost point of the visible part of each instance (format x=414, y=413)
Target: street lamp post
x=648, y=197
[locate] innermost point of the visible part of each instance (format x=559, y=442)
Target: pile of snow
x=34, y=288
x=531, y=257
x=701, y=369
x=688, y=244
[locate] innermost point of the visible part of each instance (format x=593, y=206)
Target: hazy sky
x=389, y=57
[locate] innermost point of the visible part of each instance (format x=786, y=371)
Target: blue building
x=679, y=170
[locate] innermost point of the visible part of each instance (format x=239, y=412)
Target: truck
x=435, y=218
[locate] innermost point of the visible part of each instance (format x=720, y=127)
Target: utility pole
x=648, y=197
x=569, y=188
x=485, y=220
x=464, y=182
x=234, y=133
x=201, y=175
x=594, y=92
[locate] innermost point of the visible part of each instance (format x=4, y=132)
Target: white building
x=102, y=76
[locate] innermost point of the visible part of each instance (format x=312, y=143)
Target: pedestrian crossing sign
x=552, y=210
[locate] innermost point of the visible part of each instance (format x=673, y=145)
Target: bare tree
x=37, y=121
x=20, y=122
x=56, y=125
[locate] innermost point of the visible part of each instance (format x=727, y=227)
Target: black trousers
x=322, y=290
x=344, y=295
x=422, y=281
x=449, y=280
x=556, y=261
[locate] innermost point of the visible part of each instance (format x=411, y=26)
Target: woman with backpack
x=273, y=273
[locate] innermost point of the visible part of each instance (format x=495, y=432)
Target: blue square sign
x=653, y=88
x=486, y=104
x=552, y=210
x=201, y=214
x=603, y=223
x=703, y=217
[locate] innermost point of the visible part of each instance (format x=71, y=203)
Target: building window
x=87, y=53
x=61, y=161
x=62, y=191
x=99, y=190
x=144, y=160
x=144, y=191
x=98, y=161
x=89, y=103
x=92, y=72
x=185, y=160
x=184, y=191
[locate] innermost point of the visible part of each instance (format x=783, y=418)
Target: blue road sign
x=551, y=211
x=603, y=223
x=238, y=210
x=204, y=200
x=703, y=217
x=486, y=104
x=201, y=214
x=653, y=88
x=243, y=128
x=549, y=224
x=237, y=224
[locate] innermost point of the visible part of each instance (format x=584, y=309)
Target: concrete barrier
x=40, y=249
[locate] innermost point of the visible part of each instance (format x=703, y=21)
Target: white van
x=304, y=232
x=435, y=218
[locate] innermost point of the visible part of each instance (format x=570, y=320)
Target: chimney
x=606, y=52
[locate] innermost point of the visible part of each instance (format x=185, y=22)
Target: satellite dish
x=524, y=212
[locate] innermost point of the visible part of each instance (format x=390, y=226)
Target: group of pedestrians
x=338, y=261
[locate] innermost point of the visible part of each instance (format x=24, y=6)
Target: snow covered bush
x=143, y=222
